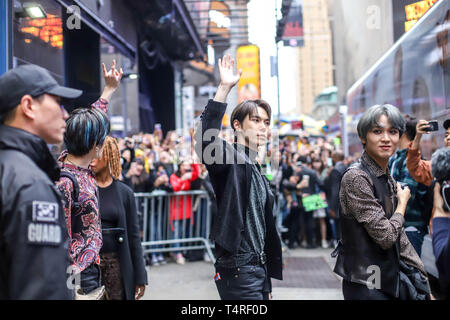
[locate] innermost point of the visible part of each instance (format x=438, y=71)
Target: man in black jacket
x=333, y=183
x=33, y=236
x=248, y=248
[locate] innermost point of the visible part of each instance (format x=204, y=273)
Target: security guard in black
x=33, y=238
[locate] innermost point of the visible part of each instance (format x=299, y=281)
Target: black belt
x=232, y=262
x=260, y=259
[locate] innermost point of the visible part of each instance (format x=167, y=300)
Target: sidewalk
x=308, y=275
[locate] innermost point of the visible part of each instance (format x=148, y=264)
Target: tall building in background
x=362, y=33
x=315, y=67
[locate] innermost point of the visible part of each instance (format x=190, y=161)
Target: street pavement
x=308, y=275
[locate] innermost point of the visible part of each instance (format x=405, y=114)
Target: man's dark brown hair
x=249, y=107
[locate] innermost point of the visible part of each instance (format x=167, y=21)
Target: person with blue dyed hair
x=86, y=131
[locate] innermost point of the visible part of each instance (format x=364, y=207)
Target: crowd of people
x=373, y=208
x=150, y=163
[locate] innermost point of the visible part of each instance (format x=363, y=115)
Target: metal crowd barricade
x=160, y=233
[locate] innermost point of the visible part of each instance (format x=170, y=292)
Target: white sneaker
x=180, y=259
x=155, y=261
x=206, y=257
x=161, y=259
x=324, y=244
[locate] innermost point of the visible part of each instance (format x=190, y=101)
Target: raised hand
x=112, y=80
x=226, y=69
x=112, y=77
x=228, y=78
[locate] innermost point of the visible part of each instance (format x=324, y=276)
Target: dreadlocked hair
x=111, y=154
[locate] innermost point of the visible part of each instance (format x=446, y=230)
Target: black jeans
x=248, y=282
x=90, y=278
x=357, y=291
x=308, y=224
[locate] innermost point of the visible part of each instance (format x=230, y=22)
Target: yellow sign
x=415, y=11
x=249, y=87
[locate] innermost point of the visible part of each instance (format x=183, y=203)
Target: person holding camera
x=136, y=177
x=418, y=211
x=420, y=169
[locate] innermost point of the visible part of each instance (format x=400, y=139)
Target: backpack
x=76, y=205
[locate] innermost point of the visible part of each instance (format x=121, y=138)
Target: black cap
x=33, y=80
x=446, y=124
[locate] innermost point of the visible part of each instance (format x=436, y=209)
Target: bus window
x=421, y=107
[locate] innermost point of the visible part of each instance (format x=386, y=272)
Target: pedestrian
x=121, y=257
x=293, y=187
x=136, y=177
x=333, y=181
x=160, y=182
x=372, y=219
x=33, y=236
x=320, y=214
x=84, y=138
x=441, y=240
x=420, y=169
x=180, y=211
x=247, y=245
x=313, y=186
x=418, y=211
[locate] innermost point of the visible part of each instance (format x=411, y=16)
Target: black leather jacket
x=34, y=254
x=231, y=182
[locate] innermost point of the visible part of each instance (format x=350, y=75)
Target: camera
x=434, y=126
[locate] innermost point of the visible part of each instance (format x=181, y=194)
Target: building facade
x=315, y=58
x=362, y=32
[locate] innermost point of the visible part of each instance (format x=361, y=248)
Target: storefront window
x=40, y=40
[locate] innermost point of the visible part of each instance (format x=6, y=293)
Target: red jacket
x=177, y=204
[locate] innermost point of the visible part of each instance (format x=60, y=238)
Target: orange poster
x=249, y=87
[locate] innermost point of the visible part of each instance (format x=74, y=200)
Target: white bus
x=414, y=75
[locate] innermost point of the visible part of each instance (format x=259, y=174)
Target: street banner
x=249, y=87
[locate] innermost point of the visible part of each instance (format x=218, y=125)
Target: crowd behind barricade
x=306, y=179
x=303, y=167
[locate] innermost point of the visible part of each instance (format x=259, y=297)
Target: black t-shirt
x=110, y=211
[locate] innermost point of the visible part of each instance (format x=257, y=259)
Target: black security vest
x=357, y=251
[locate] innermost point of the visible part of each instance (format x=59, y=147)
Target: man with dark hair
x=372, y=212
x=248, y=248
x=333, y=184
x=33, y=233
x=416, y=223
x=87, y=129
